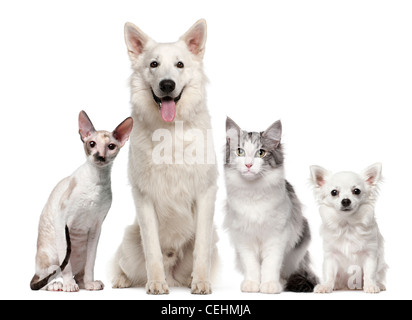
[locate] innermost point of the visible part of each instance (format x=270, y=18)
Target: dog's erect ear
x=232, y=131
x=135, y=39
x=195, y=38
x=372, y=174
x=318, y=175
x=86, y=127
x=122, y=131
x=272, y=135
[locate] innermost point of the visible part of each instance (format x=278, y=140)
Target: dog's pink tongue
x=168, y=110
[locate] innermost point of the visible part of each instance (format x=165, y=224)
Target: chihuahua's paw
x=323, y=288
x=70, y=286
x=94, y=285
x=201, y=287
x=157, y=287
x=250, y=286
x=271, y=287
x=371, y=288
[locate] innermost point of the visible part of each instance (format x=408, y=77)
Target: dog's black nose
x=167, y=86
x=346, y=202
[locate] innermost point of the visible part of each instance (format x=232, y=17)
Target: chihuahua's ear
x=86, y=127
x=123, y=130
x=318, y=175
x=373, y=174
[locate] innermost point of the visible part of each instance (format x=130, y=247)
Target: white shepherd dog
x=172, y=168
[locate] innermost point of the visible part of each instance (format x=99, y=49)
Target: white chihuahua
x=351, y=238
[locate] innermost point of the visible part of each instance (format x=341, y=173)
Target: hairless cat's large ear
x=123, y=130
x=86, y=127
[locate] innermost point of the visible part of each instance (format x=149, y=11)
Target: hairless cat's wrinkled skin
x=71, y=220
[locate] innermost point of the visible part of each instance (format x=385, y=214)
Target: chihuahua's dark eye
x=92, y=144
x=154, y=64
x=334, y=193
x=356, y=191
x=111, y=146
x=180, y=65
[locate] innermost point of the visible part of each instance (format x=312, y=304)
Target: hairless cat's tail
x=36, y=283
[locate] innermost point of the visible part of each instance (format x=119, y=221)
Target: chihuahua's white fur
x=80, y=201
x=172, y=241
x=351, y=236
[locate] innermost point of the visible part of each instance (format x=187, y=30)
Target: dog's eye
x=334, y=193
x=154, y=64
x=92, y=144
x=240, y=152
x=261, y=153
x=180, y=65
x=111, y=146
x=356, y=191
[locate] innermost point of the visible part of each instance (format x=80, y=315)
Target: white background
x=337, y=73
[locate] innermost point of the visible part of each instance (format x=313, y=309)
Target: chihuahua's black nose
x=346, y=202
x=167, y=86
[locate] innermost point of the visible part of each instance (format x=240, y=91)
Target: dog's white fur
x=351, y=236
x=173, y=240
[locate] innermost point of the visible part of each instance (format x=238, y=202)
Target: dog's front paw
x=271, y=287
x=323, y=288
x=121, y=281
x=94, y=285
x=201, y=287
x=157, y=287
x=250, y=286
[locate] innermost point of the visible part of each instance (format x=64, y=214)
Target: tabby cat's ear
x=232, y=130
x=271, y=136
